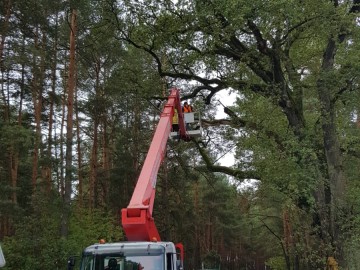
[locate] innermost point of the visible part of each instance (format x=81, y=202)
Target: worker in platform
x=187, y=108
x=175, y=121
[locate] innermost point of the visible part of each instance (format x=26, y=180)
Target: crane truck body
x=144, y=249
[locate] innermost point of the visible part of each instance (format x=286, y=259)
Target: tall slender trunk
x=210, y=244
x=61, y=141
x=197, y=249
x=135, y=134
x=335, y=186
x=79, y=155
x=61, y=146
x=358, y=118
x=94, y=151
x=69, y=127
x=48, y=166
x=93, y=165
x=14, y=166
x=45, y=174
x=3, y=33
x=14, y=153
x=106, y=158
x=287, y=238
x=5, y=26
x=5, y=222
x=36, y=86
x=22, y=84
x=105, y=147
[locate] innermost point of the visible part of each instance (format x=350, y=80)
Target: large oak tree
x=295, y=60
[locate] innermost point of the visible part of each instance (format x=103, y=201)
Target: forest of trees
x=82, y=87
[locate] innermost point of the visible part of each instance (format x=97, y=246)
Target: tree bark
x=61, y=178
x=5, y=221
x=93, y=166
x=36, y=86
x=5, y=27
x=335, y=188
x=69, y=127
x=94, y=151
x=79, y=156
x=106, y=159
x=48, y=165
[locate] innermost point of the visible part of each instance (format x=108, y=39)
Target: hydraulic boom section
x=144, y=250
x=137, y=220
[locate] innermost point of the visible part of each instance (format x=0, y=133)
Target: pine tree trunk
x=61, y=162
x=14, y=154
x=69, y=127
x=51, y=110
x=13, y=158
x=45, y=174
x=197, y=249
x=37, y=102
x=79, y=156
x=94, y=151
x=106, y=159
x=4, y=30
x=5, y=27
x=93, y=166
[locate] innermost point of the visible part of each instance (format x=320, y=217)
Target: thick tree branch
x=239, y=123
x=261, y=42
x=209, y=165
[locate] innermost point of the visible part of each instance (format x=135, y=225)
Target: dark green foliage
x=211, y=260
x=37, y=243
x=14, y=139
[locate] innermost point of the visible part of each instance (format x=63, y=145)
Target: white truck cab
x=129, y=256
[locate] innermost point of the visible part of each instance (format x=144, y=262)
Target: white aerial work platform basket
x=193, y=126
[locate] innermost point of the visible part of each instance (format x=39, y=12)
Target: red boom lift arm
x=137, y=220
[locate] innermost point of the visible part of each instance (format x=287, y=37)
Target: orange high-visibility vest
x=187, y=109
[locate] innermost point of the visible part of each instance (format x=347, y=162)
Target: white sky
x=227, y=99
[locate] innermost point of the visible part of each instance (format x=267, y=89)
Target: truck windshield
x=117, y=261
